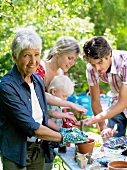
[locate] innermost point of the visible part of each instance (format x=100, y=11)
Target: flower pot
x=86, y=147
x=117, y=165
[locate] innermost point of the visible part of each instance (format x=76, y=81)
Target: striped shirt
x=115, y=78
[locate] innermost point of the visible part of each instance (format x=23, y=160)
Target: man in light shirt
x=109, y=66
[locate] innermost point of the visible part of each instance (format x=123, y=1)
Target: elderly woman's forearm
x=45, y=133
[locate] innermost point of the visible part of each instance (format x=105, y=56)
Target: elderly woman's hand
x=72, y=135
x=72, y=118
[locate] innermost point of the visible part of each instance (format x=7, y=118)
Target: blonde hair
x=64, y=45
x=62, y=82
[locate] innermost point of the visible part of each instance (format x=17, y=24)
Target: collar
x=18, y=78
x=113, y=65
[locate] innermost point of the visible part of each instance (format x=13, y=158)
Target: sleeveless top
x=41, y=71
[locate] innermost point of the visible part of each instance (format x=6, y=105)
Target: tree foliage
x=52, y=19
x=109, y=14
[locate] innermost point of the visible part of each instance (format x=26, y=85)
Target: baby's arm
x=61, y=115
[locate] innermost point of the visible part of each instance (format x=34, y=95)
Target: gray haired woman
x=24, y=124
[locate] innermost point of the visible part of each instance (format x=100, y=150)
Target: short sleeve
x=92, y=75
x=123, y=69
x=40, y=71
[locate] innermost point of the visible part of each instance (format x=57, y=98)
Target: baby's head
x=61, y=86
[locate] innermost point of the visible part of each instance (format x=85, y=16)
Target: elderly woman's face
x=28, y=61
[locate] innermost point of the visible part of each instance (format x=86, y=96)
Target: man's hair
x=25, y=38
x=96, y=48
x=62, y=82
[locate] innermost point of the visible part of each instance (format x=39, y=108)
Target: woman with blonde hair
x=60, y=58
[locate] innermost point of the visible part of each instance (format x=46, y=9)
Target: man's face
x=101, y=65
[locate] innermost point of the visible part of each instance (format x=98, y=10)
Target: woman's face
x=28, y=61
x=65, y=61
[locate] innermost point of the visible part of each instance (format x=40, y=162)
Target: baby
x=61, y=86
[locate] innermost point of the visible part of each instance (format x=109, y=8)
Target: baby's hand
x=72, y=135
x=72, y=118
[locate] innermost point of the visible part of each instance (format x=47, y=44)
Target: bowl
x=86, y=147
x=117, y=165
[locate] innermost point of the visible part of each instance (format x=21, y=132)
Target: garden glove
x=72, y=135
x=64, y=130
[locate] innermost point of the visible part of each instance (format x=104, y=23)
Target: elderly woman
x=24, y=125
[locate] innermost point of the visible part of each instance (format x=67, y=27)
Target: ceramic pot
x=117, y=165
x=86, y=147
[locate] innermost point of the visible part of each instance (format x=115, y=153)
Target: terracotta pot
x=86, y=147
x=117, y=165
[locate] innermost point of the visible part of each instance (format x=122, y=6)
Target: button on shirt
x=115, y=78
x=16, y=121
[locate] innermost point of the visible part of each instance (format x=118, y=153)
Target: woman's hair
x=62, y=82
x=26, y=38
x=96, y=48
x=64, y=45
